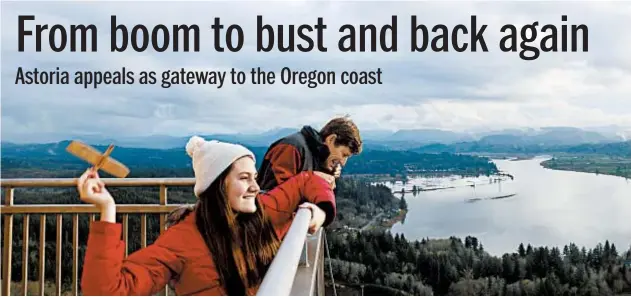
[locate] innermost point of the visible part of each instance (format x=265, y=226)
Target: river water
x=550, y=207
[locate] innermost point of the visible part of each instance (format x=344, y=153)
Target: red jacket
x=180, y=252
x=300, y=151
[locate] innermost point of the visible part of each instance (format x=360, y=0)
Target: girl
x=223, y=247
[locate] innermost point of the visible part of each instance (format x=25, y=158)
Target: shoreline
x=398, y=218
x=400, y=177
x=384, y=225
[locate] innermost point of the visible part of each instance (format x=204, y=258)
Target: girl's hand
x=92, y=190
x=318, y=216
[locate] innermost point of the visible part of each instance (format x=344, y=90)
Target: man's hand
x=318, y=216
x=338, y=171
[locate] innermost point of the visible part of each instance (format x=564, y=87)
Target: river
x=550, y=207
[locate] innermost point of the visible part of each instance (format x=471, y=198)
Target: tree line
x=453, y=267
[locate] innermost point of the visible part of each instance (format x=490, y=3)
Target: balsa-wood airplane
x=99, y=160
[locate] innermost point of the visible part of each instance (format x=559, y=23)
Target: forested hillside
x=393, y=265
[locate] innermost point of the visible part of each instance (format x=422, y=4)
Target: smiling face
x=337, y=153
x=241, y=186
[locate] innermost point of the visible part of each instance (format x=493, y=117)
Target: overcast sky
x=452, y=91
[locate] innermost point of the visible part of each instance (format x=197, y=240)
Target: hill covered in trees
x=408, y=162
x=358, y=203
x=392, y=265
x=617, y=166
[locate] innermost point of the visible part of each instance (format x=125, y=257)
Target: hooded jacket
x=180, y=253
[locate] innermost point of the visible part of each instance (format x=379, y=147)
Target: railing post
x=304, y=258
x=320, y=267
x=126, y=233
x=58, y=248
x=75, y=254
x=163, y=201
x=25, y=257
x=163, y=221
x=8, y=244
x=42, y=253
x=143, y=231
x=307, y=278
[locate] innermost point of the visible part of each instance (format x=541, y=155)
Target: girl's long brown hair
x=242, y=246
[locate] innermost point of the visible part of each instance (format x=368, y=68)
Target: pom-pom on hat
x=211, y=158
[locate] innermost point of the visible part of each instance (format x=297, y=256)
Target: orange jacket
x=180, y=252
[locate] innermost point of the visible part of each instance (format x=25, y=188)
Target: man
x=326, y=150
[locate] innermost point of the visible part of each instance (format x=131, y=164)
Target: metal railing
x=298, y=267
x=300, y=258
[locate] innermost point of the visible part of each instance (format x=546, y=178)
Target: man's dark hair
x=346, y=131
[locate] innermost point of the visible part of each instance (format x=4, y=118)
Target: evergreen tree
x=403, y=204
x=521, y=250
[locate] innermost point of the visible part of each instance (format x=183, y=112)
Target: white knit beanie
x=211, y=158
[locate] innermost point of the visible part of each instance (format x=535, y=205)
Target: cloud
x=448, y=90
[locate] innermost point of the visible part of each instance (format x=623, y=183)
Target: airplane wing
x=93, y=156
x=84, y=151
x=115, y=168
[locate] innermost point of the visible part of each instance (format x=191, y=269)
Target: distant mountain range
x=618, y=149
x=381, y=139
x=36, y=160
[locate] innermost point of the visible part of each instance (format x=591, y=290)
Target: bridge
x=297, y=269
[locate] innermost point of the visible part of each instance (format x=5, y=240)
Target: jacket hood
x=316, y=145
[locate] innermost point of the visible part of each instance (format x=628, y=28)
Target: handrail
x=115, y=182
x=85, y=208
x=280, y=275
